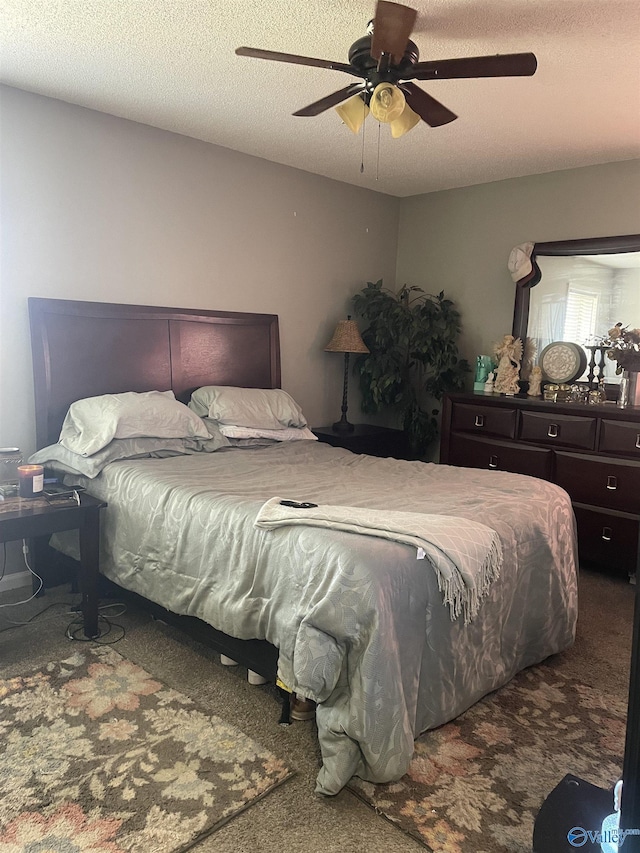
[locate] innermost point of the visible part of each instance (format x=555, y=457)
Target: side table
x=29, y=518
x=369, y=439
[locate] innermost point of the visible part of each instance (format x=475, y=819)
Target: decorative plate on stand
x=562, y=362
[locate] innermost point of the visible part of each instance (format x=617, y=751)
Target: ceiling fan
x=386, y=60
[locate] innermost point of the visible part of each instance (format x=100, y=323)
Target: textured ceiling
x=171, y=64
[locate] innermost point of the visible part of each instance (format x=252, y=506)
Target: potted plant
x=413, y=357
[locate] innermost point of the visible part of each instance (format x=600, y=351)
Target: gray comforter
x=359, y=621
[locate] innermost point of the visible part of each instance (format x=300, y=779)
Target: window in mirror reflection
x=580, y=297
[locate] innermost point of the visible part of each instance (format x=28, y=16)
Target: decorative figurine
x=509, y=354
x=529, y=352
x=535, y=382
x=488, y=385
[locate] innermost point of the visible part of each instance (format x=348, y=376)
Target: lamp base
x=342, y=426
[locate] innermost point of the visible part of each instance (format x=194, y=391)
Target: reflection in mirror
x=613, y=258
x=580, y=297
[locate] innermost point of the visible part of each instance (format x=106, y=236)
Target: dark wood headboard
x=83, y=349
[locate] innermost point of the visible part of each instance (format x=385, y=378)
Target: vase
x=629, y=394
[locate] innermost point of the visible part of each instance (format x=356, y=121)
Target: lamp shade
x=387, y=103
x=346, y=338
x=353, y=113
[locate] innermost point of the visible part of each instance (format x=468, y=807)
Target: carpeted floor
x=292, y=817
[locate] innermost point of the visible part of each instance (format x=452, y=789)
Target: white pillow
x=258, y=408
x=285, y=434
x=92, y=423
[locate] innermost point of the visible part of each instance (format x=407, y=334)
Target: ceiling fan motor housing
x=361, y=59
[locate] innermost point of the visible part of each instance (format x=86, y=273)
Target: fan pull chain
x=364, y=124
x=378, y=157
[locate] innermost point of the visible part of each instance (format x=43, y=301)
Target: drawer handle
x=493, y=462
x=638, y=440
x=479, y=422
x=612, y=482
x=552, y=431
x=606, y=534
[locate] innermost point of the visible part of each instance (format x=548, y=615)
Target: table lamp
x=346, y=339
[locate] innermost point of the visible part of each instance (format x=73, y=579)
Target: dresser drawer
x=549, y=428
x=620, y=437
x=598, y=481
x=477, y=452
x=609, y=539
x=484, y=420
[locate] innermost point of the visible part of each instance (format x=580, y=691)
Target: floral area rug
x=97, y=755
x=476, y=784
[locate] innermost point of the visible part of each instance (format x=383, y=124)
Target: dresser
x=593, y=452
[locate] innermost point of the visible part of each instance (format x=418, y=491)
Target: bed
x=357, y=622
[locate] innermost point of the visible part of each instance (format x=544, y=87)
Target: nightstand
x=29, y=518
x=369, y=439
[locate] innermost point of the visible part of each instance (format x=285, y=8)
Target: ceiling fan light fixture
x=407, y=121
x=388, y=54
x=387, y=103
x=353, y=113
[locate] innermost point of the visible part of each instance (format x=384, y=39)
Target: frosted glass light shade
x=353, y=113
x=407, y=120
x=387, y=103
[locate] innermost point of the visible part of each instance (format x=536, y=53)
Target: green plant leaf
x=413, y=356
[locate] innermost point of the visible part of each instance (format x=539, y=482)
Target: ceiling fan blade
x=331, y=100
x=433, y=112
x=392, y=27
x=257, y=53
x=501, y=65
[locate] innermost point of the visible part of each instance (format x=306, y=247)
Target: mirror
x=579, y=289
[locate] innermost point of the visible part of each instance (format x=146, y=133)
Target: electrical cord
x=73, y=633
x=120, y=604
x=73, y=609
x=25, y=551
x=76, y=633
x=75, y=628
x=31, y=619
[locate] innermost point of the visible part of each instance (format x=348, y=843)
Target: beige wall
x=459, y=240
x=98, y=208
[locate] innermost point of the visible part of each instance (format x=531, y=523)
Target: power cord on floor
x=76, y=626
x=20, y=624
x=77, y=633
x=72, y=609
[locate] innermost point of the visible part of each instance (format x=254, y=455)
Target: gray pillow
x=94, y=422
x=59, y=458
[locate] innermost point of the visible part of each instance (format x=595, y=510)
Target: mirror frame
x=563, y=248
